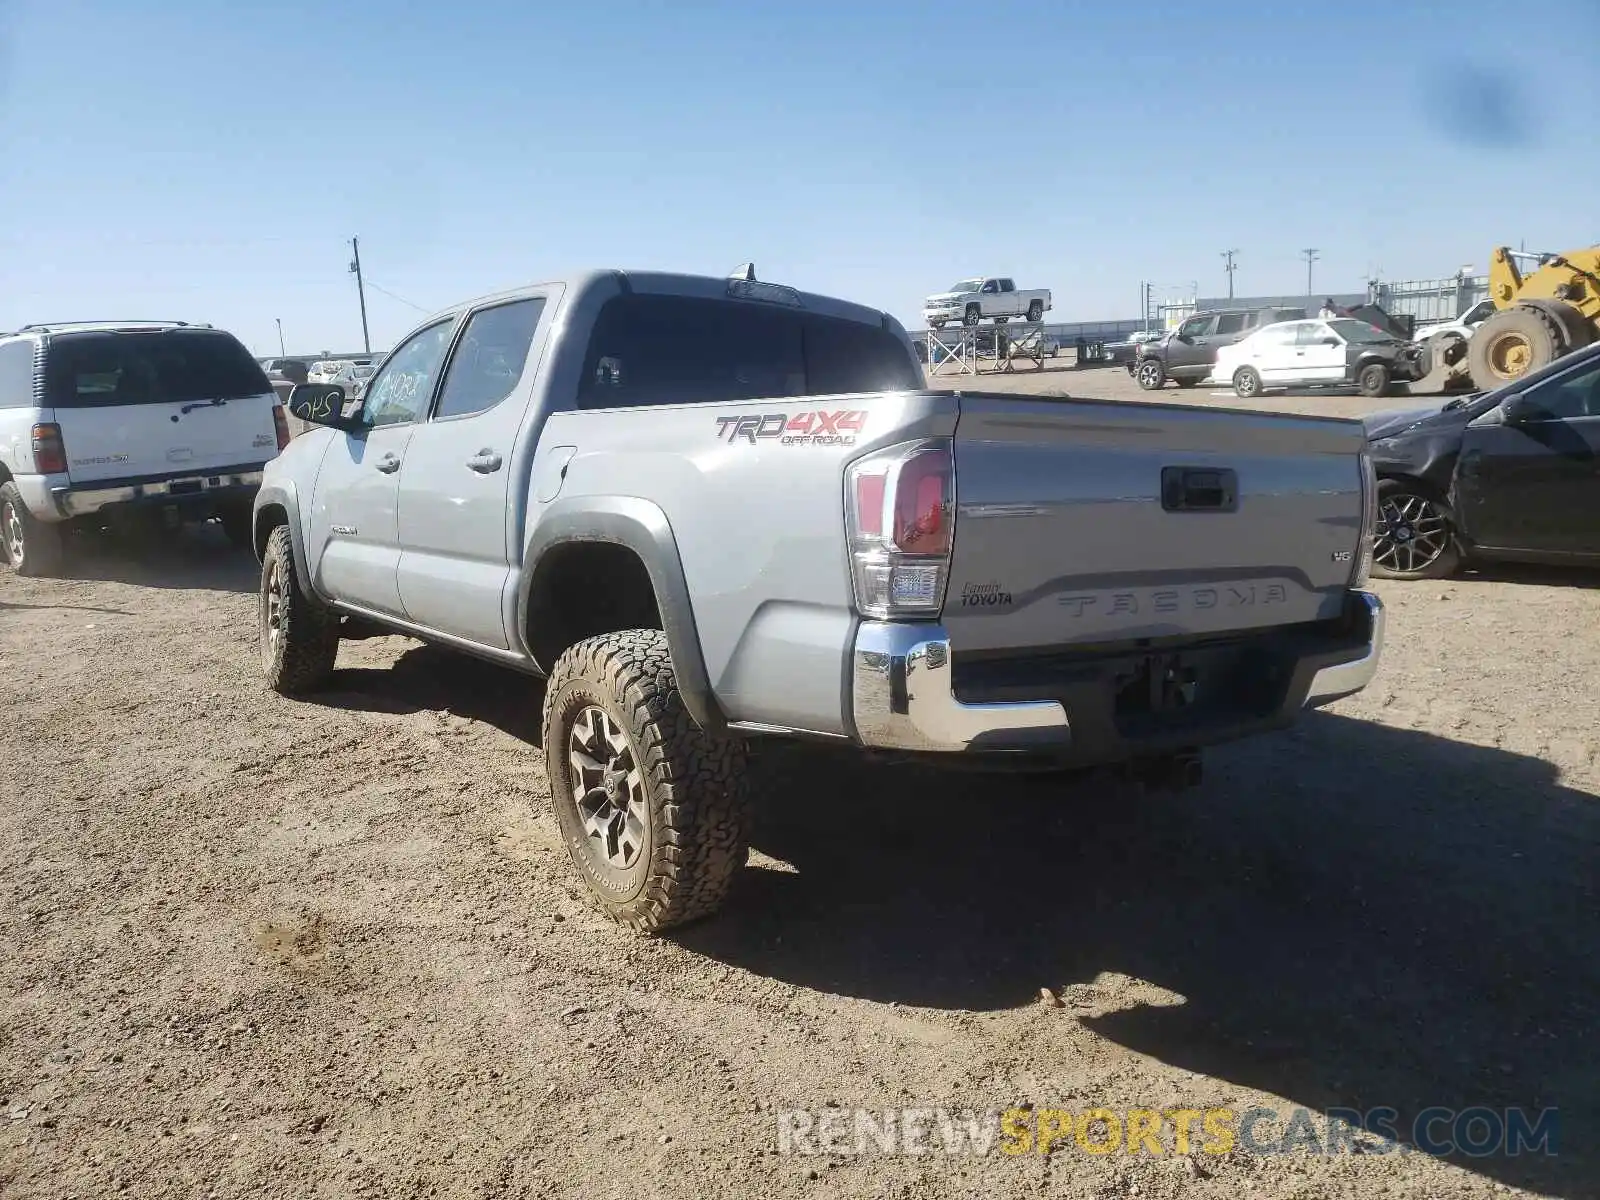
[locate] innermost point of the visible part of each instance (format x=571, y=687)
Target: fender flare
x=282, y=494
x=642, y=527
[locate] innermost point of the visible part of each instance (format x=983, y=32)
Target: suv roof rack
x=46, y=326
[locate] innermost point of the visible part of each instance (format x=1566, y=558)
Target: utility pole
x=1227, y=256
x=361, y=292
x=1311, y=257
x=281, y=351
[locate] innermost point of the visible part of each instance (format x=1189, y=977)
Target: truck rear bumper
x=208, y=487
x=907, y=695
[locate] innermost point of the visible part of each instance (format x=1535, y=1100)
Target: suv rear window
x=91, y=370
x=681, y=350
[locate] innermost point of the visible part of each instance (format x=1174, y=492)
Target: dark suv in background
x=1186, y=355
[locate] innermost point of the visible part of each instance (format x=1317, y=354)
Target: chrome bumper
x=1334, y=683
x=80, y=501
x=902, y=696
x=902, y=699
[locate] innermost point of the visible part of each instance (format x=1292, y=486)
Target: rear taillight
x=280, y=425
x=899, y=516
x=1369, y=521
x=49, y=451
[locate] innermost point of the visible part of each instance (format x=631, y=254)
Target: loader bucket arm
x=1505, y=280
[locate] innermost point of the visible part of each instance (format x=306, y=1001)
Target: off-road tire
x=1150, y=374
x=695, y=783
x=237, y=521
x=301, y=657
x=42, y=543
x=1373, y=380
x=1539, y=332
x=1247, y=383
x=1036, y=311
x=1576, y=329
x=971, y=315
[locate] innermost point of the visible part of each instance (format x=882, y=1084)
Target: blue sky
x=210, y=161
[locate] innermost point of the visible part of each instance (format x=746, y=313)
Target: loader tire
x=653, y=809
x=1512, y=343
x=1576, y=327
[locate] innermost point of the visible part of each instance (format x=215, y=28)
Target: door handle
x=389, y=463
x=484, y=462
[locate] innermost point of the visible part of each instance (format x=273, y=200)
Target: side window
x=1230, y=323
x=1574, y=396
x=1196, y=327
x=16, y=375
x=400, y=391
x=489, y=358
x=1008, y=285
x=989, y=287
x=1275, y=335
x=1311, y=333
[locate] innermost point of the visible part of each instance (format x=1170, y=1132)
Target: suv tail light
x=280, y=426
x=49, y=451
x=1369, y=521
x=899, y=518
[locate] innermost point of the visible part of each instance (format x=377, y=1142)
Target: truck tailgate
x=1096, y=522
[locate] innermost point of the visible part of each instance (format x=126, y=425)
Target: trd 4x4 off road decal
x=803, y=429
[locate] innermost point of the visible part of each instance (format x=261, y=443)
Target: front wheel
x=1246, y=383
x=972, y=315
x=1150, y=374
x=652, y=808
x=1373, y=380
x=299, y=637
x=1414, y=538
x=33, y=547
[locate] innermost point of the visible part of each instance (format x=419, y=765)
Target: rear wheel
x=652, y=808
x=1511, y=343
x=1036, y=311
x=1150, y=374
x=33, y=547
x=1414, y=538
x=1373, y=380
x=1246, y=383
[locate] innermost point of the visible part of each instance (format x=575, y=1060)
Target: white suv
x=104, y=419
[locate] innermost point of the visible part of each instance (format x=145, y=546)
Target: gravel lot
x=269, y=948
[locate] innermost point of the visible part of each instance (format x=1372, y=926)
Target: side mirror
x=320, y=404
x=1517, y=409
x=1180, y=336
x=1329, y=341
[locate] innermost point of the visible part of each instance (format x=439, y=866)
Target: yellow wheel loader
x=1550, y=311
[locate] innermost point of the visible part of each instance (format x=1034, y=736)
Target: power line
x=401, y=299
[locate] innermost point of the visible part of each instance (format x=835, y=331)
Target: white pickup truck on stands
x=970, y=300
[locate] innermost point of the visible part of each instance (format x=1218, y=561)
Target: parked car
x=970, y=300
x=352, y=377
x=1122, y=352
x=1335, y=353
x=292, y=369
x=1463, y=326
x=103, y=421
x=326, y=370
x=1188, y=354
x=552, y=479
x=1503, y=475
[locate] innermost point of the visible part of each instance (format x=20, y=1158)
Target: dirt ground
x=255, y=947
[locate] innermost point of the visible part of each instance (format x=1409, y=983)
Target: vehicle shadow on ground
x=432, y=679
x=194, y=557
x=1527, y=573
x=1354, y=916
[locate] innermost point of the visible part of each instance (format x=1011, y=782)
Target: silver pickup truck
x=709, y=511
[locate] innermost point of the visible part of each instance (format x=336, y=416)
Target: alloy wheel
x=1411, y=534
x=607, y=787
